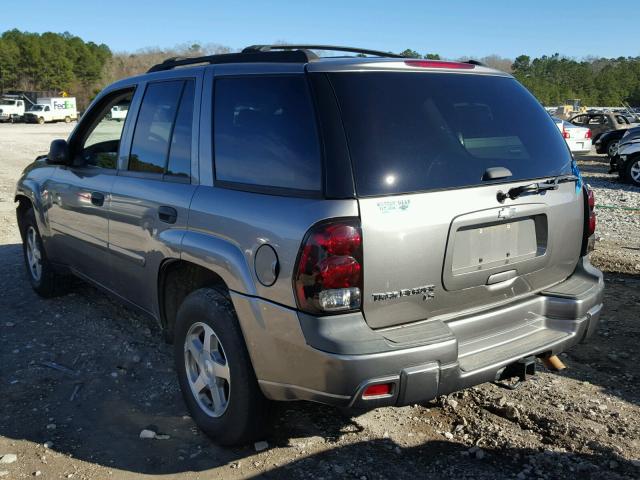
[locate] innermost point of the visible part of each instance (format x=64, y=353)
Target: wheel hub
x=34, y=256
x=207, y=369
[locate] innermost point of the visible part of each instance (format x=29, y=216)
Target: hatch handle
x=496, y=173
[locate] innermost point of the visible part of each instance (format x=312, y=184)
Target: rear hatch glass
x=413, y=132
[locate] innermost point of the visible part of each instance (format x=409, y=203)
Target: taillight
x=591, y=202
x=588, y=134
x=329, y=271
x=439, y=64
x=565, y=133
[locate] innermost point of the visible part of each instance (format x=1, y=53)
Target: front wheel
x=42, y=275
x=612, y=148
x=41, y=120
x=632, y=170
x=214, y=370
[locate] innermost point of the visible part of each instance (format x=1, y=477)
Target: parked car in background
x=11, y=109
x=607, y=143
x=627, y=160
x=118, y=112
x=600, y=122
x=578, y=138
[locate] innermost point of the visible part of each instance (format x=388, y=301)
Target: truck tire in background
x=67, y=119
x=41, y=120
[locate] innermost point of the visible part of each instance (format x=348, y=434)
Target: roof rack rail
x=285, y=56
x=330, y=48
x=475, y=62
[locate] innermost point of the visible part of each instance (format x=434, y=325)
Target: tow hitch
x=521, y=370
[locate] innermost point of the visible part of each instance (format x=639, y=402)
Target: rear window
x=411, y=132
x=265, y=133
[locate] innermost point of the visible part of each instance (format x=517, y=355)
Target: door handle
x=97, y=198
x=167, y=214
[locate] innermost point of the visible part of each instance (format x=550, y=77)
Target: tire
x=67, y=119
x=632, y=171
x=240, y=413
x=43, y=278
x=41, y=120
x=612, y=148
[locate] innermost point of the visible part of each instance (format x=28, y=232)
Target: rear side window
x=410, y=132
x=162, y=137
x=265, y=133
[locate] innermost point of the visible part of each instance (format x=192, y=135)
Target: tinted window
x=265, y=132
x=150, y=145
x=412, y=132
x=180, y=150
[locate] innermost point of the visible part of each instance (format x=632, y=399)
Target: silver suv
x=358, y=231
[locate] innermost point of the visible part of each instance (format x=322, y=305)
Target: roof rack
x=266, y=53
x=285, y=56
x=330, y=48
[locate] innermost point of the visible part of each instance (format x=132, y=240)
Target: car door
x=151, y=195
x=79, y=193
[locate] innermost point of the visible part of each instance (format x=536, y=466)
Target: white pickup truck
x=52, y=109
x=11, y=109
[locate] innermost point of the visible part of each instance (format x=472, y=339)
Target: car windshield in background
x=411, y=132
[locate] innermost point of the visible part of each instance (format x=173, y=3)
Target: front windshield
x=7, y=102
x=36, y=108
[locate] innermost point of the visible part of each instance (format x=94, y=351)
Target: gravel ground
x=113, y=377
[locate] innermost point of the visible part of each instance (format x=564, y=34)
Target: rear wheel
x=214, y=370
x=42, y=275
x=67, y=119
x=632, y=170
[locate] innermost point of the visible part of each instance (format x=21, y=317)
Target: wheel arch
x=24, y=204
x=177, y=278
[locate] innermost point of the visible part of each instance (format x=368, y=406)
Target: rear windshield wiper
x=537, y=187
x=563, y=179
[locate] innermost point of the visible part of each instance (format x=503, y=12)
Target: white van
x=52, y=109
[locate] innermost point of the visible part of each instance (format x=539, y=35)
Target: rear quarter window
x=410, y=132
x=265, y=133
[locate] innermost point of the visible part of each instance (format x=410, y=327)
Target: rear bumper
x=332, y=359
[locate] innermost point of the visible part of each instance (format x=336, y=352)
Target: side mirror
x=58, y=153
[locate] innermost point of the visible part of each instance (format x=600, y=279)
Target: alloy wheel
x=207, y=369
x=634, y=172
x=34, y=255
x=613, y=149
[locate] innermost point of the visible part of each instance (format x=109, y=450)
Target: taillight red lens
x=588, y=134
x=565, y=133
x=591, y=202
x=438, y=64
x=329, y=271
x=591, y=199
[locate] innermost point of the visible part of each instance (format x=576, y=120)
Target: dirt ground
x=114, y=377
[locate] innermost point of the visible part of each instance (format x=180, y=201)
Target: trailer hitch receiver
x=521, y=370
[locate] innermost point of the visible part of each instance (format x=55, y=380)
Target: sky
x=451, y=28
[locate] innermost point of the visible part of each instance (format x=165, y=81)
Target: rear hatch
x=437, y=241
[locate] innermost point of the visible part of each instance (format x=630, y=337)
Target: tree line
x=57, y=62
x=51, y=62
